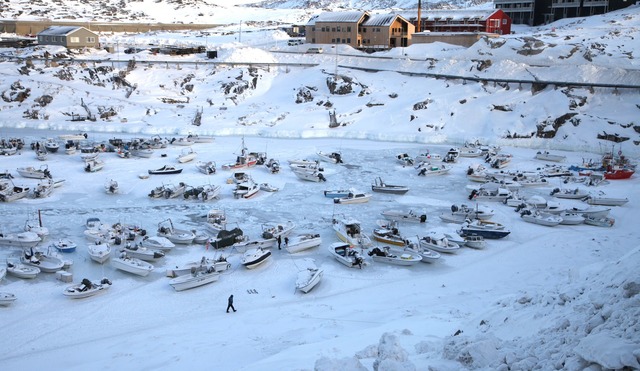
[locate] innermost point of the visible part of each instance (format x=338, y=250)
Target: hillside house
x=537, y=12
x=361, y=30
x=492, y=21
x=73, y=37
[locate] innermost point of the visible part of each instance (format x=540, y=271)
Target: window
x=348, y=40
x=91, y=39
x=348, y=28
x=333, y=29
x=333, y=41
x=74, y=39
x=504, y=21
x=344, y=41
x=338, y=28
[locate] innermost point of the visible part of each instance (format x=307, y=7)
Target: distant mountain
x=366, y=4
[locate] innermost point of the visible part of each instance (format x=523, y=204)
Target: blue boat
x=338, y=193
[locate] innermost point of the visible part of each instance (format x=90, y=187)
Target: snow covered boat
x=177, y=236
x=427, y=157
x=226, y=238
x=380, y=186
x=571, y=218
x=111, y=187
x=330, y=157
x=20, y=270
x=219, y=265
x=349, y=231
x=157, y=242
x=599, y=221
x=541, y=218
x=606, y=201
x=438, y=242
x=187, y=155
x=255, y=257
x=132, y=265
x=489, y=192
x=353, y=198
x=64, y=245
x=303, y=242
x=268, y=187
x=408, y=215
x=51, y=145
x=546, y=156
x=460, y=213
x=273, y=165
x=591, y=211
x=573, y=194
x=165, y=170
x=10, y=192
x=99, y=252
x=273, y=230
x=336, y=193
x=346, y=254
x=208, y=167
x=6, y=298
x=470, y=152
x=305, y=165
x=394, y=256
x=44, y=188
x=87, y=288
x=216, y=220
x=196, y=278
x=389, y=234
x=308, y=279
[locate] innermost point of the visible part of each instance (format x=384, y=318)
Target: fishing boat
x=64, y=245
x=303, y=242
x=20, y=270
x=309, y=175
x=606, y=201
x=427, y=255
x=346, y=254
x=438, y=242
x=132, y=265
x=380, y=186
x=93, y=165
x=165, y=170
x=87, y=288
x=393, y=256
x=350, y=231
x=6, y=298
x=99, y=252
x=31, y=172
x=243, y=160
x=111, y=187
x=353, y=198
x=330, y=157
x=208, y=167
x=187, y=155
x=599, y=221
x=404, y=215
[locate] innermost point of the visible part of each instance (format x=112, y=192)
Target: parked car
x=314, y=50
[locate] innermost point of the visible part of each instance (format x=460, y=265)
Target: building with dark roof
x=68, y=36
x=537, y=12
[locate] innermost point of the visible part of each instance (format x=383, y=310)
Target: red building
x=490, y=21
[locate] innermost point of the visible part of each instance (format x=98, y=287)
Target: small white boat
x=99, y=252
x=44, y=188
x=247, y=244
x=404, y=159
x=427, y=255
x=208, y=167
x=197, y=138
x=31, y=172
x=64, y=245
x=573, y=194
x=20, y=270
x=94, y=165
x=273, y=230
x=439, y=243
x=273, y=165
x=88, y=156
x=111, y=187
x=51, y=145
x=216, y=220
x=157, y=242
x=461, y=213
x=308, y=279
x=571, y=218
x=255, y=257
x=309, y=175
x=404, y=216
x=177, y=236
x=196, y=278
x=47, y=263
x=331, y=157
x=141, y=152
x=606, y=201
x=87, y=288
x=132, y=265
x=219, y=265
x=428, y=157
x=475, y=242
x=540, y=218
x=209, y=192
x=393, y=256
x=73, y=137
x=470, y=152
x=182, y=141
x=380, y=186
x=24, y=240
x=546, y=156
x=246, y=189
x=353, y=198
x=489, y=192
x=346, y=254
x=303, y=242
x=143, y=253
x=428, y=169
x=350, y=231
x=6, y=298
x=10, y=192
x=268, y=187
x=591, y=211
x=187, y=155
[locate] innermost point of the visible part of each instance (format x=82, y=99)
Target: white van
x=315, y=50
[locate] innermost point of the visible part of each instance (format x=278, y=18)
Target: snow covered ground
x=542, y=298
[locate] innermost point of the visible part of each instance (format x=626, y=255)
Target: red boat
x=615, y=174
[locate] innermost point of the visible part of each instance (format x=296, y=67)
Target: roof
x=59, y=30
x=431, y=15
x=380, y=20
x=337, y=17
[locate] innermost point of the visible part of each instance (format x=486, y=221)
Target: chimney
x=419, y=16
